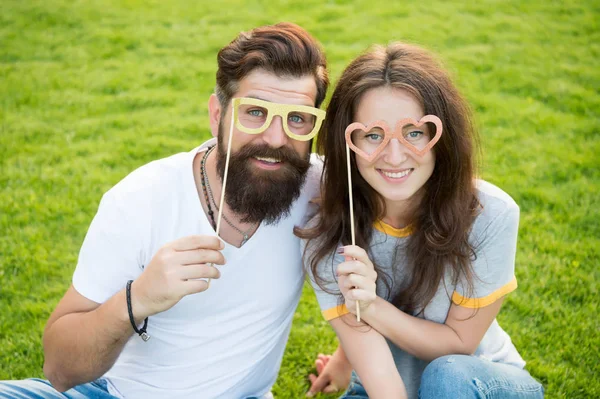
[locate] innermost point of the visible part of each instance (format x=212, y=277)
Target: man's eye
x=296, y=119
x=255, y=112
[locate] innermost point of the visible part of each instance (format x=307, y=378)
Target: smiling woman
x=436, y=247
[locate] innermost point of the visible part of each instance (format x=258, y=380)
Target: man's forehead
x=268, y=86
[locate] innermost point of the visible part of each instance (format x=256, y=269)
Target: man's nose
x=275, y=136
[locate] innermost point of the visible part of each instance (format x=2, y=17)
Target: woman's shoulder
x=496, y=206
x=493, y=196
x=493, y=199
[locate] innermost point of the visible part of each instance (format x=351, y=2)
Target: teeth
x=396, y=175
x=269, y=160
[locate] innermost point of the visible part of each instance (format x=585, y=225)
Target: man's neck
x=214, y=184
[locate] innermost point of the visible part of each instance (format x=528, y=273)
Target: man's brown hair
x=284, y=49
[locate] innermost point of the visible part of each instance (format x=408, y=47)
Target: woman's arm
x=460, y=334
x=371, y=358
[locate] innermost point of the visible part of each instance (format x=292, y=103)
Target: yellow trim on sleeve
x=476, y=303
x=336, y=312
x=391, y=230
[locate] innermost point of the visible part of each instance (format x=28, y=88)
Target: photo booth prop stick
x=218, y=228
x=351, y=215
x=369, y=141
x=254, y=116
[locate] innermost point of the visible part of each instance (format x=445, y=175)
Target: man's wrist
x=140, y=312
x=141, y=331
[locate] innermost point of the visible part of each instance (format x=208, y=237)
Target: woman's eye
x=374, y=136
x=415, y=134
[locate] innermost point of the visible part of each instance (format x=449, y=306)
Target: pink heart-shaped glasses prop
x=396, y=134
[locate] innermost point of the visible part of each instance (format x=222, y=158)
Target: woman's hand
x=356, y=278
x=333, y=373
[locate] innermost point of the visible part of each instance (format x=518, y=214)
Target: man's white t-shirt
x=226, y=342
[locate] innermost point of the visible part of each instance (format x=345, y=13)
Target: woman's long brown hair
x=443, y=219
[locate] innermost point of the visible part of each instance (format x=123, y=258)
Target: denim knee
x=446, y=377
x=462, y=376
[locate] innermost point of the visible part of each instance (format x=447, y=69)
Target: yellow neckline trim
x=391, y=230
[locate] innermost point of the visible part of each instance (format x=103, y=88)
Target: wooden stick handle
x=222, y=200
x=351, y=214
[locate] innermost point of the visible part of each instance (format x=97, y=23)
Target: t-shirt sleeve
x=111, y=251
x=327, y=292
x=494, y=267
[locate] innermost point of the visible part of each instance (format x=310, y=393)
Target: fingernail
x=340, y=250
x=309, y=394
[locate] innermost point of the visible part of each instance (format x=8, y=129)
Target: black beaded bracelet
x=140, y=331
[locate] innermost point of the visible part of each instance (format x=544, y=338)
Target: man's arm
x=83, y=339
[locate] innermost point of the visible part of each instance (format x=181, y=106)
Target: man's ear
x=214, y=114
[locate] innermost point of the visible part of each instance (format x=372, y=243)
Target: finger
x=361, y=295
x=319, y=365
x=191, y=272
x=199, y=255
x=353, y=266
x=196, y=241
x=358, y=281
x=312, y=378
x=319, y=384
x=356, y=252
x=194, y=286
x=323, y=357
x=331, y=388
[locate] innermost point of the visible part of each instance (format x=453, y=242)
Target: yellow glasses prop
x=254, y=116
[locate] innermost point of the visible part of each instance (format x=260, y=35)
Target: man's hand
x=333, y=374
x=175, y=271
x=356, y=278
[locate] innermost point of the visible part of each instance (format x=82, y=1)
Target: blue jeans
x=34, y=388
x=461, y=376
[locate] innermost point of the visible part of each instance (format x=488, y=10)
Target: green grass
x=91, y=90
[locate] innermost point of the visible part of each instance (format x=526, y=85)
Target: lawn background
x=90, y=90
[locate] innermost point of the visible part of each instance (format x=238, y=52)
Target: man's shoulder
x=155, y=177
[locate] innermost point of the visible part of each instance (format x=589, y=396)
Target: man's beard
x=261, y=195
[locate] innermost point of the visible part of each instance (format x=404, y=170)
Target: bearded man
x=160, y=307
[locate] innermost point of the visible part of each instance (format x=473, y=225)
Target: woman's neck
x=399, y=214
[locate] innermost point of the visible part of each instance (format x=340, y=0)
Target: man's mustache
x=283, y=154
